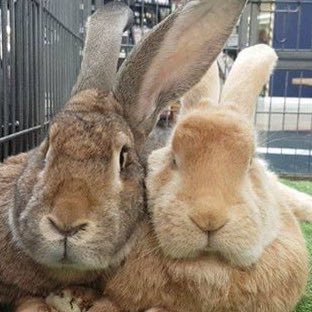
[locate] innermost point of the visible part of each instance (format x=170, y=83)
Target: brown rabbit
x=70, y=209
x=222, y=236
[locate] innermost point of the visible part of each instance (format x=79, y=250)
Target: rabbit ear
x=203, y=94
x=250, y=72
x=102, y=46
x=172, y=58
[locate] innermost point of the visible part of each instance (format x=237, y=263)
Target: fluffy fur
x=222, y=236
x=70, y=186
x=71, y=208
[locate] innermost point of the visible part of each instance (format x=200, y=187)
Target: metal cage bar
x=40, y=54
x=284, y=110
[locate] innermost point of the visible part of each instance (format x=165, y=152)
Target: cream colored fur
x=77, y=204
x=239, y=79
x=207, y=92
x=222, y=236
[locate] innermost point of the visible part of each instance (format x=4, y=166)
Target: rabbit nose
x=70, y=213
x=67, y=230
x=208, y=222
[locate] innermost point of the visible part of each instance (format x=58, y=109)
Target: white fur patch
x=65, y=303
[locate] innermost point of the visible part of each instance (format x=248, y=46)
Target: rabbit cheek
x=239, y=242
x=35, y=237
x=27, y=212
x=159, y=171
x=177, y=235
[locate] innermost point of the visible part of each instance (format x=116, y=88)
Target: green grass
x=304, y=186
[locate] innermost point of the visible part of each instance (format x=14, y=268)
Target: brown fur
x=222, y=236
x=72, y=186
x=70, y=180
x=180, y=266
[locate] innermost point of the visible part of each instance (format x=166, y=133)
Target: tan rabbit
x=207, y=93
x=70, y=209
x=222, y=236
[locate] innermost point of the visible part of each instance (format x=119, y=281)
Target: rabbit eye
x=123, y=157
x=251, y=161
x=174, y=163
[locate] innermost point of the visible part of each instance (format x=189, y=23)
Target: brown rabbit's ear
x=250, y=72
x=102, y=46
x=203, y=94
x=172, y=58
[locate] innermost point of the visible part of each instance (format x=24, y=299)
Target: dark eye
x=251, y=161
x=174, y=163
x=123, y=157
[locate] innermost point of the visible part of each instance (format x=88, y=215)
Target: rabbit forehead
x=89, y=135
x=205, y=134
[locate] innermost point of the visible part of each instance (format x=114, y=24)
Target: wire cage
x=40, y=54
x=284, y=110
x=41, y=48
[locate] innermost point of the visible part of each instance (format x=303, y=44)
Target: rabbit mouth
x=75, y=258
x=65, y=260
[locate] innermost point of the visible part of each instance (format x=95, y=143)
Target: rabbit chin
x=85, y=252
x=233, y=254
x=191, y=244
x=84, y=256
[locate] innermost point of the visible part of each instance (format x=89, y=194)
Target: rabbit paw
x=33, y=305
x=73, y=299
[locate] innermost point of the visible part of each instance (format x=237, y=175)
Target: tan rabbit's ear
x=102, y=46
x=250, y=72
x=203, y=94
x=172, y=58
